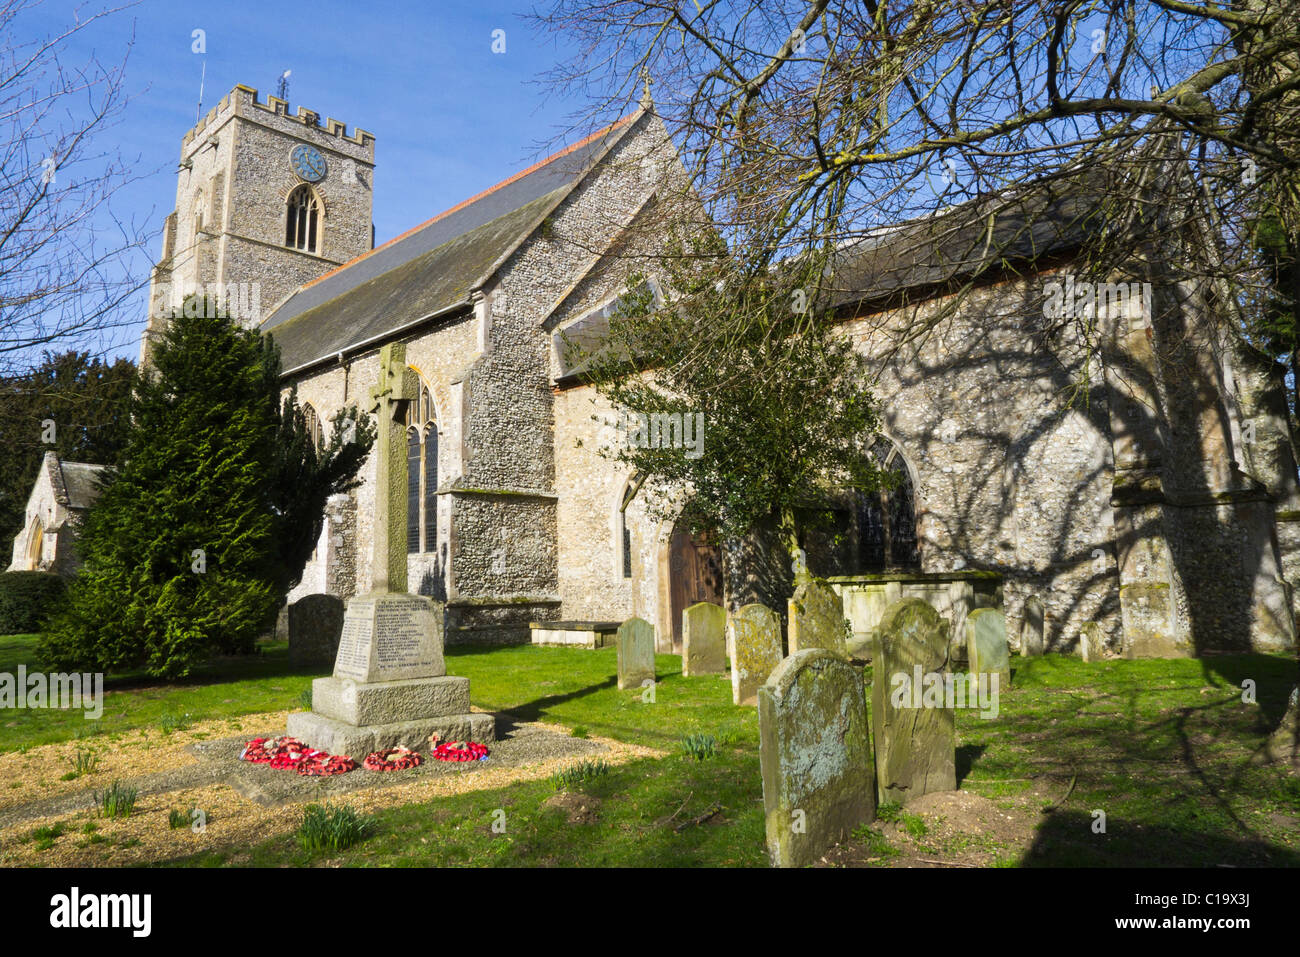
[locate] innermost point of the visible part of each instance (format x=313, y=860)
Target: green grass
x=118, y=800
x=223, y=688
x=1164, y=747
x=576, y=775
x=330, y=829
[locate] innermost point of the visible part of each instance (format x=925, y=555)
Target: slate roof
x=1031, y=224
x=431, y=269
x=80, y=479
x=924, y=257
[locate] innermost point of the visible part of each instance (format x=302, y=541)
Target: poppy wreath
x=392, y=759
x=318, y=764
x=461, y=751
x=287, y=752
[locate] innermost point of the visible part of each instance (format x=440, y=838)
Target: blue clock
x=308, y=163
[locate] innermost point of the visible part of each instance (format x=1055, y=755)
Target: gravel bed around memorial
x=246, y=803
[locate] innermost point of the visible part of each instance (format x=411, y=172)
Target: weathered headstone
x=914, y=725
x=986, y=642
x=1032, y=627
x=754, y=634
x=816, y=618
x=815, y=755
x=636, y=653
x=390, y=685
x=1091, y=643
x=962, y=594
x=315, y=624
x=704, y=639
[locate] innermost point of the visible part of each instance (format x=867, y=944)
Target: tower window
x=300, y=225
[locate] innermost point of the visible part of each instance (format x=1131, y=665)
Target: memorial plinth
x=390, y=686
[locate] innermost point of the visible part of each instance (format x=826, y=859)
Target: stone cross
x=398, y=385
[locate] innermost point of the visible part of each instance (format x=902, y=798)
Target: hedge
x=26, y=599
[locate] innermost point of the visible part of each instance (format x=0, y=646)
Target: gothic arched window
x=421, y=473
x=300, y=224
x=312, y=421
x=886, y=518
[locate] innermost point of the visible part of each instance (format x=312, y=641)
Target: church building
x=1143, y=523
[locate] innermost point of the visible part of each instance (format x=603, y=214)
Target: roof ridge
x=622, y=121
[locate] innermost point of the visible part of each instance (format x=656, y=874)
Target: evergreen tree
x=86, y=401
x=183, y=552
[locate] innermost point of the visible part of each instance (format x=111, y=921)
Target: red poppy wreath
x=392, y=759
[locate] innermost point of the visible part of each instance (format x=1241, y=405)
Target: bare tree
x=68, y=271
x=809, y=126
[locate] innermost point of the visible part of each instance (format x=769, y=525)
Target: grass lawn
x=1163, y=748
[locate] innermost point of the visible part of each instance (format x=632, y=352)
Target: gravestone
x=390, y=685
x=815, y=755
x=636, y=653
x=1032, y=627
x=704, y=639
x=315, y=624
x=816, y=617
x=754, y=634
x=915, y=735
x=1091, y=643
x=962, y=594
x=986, y=641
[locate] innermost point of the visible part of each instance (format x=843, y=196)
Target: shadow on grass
x=1066, y=839
x=967, y=755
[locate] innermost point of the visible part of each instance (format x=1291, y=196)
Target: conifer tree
x=183, y=552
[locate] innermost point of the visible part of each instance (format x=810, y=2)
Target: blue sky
x=450, y=117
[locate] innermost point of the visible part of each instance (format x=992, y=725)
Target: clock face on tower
x=308, y=163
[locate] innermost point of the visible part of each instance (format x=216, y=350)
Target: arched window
x=421, y=473
x=198, y=214
x=886, y=518
x=869, y=531
x=313, y=424
x=35, y=544
x=300, y=224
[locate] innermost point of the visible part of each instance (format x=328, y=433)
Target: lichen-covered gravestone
x=815, y=755
x=1092, y=646
x=755, y=640
x=986, y=643
x=1031, y=627
x=914, y=730
x=704, y=640
x=636, y=653
x=816, y=618
x=315, y=624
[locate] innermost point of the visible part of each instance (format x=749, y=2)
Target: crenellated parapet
x=243, y=101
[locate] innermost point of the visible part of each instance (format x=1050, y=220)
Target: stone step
x=385, y=702
x=336, y=737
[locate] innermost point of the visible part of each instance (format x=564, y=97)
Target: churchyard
x=1163, y=747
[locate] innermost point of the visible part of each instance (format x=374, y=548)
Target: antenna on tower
x=282, y=88
x=198, y=110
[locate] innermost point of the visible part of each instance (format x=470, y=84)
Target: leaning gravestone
x=815, y=755
x=636, y=653
x=1031, y=627
x=390, y=686
x=910, y=711
x=986, y=642
x=704, y=640
x=755, y=640
x=816, y=617
x=315, y=624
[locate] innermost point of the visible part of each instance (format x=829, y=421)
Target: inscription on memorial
x=353, y=659
x=389, y=638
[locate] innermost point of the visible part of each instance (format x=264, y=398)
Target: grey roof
x=1031, y=224
x=926, y=256
x=80, y=483
x=431, y=268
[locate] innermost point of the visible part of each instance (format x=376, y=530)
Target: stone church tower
x=265, y=201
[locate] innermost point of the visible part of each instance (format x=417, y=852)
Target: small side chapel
x=513, y=516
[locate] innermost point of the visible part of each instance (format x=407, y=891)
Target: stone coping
x=574, y=625
x=936, y=577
